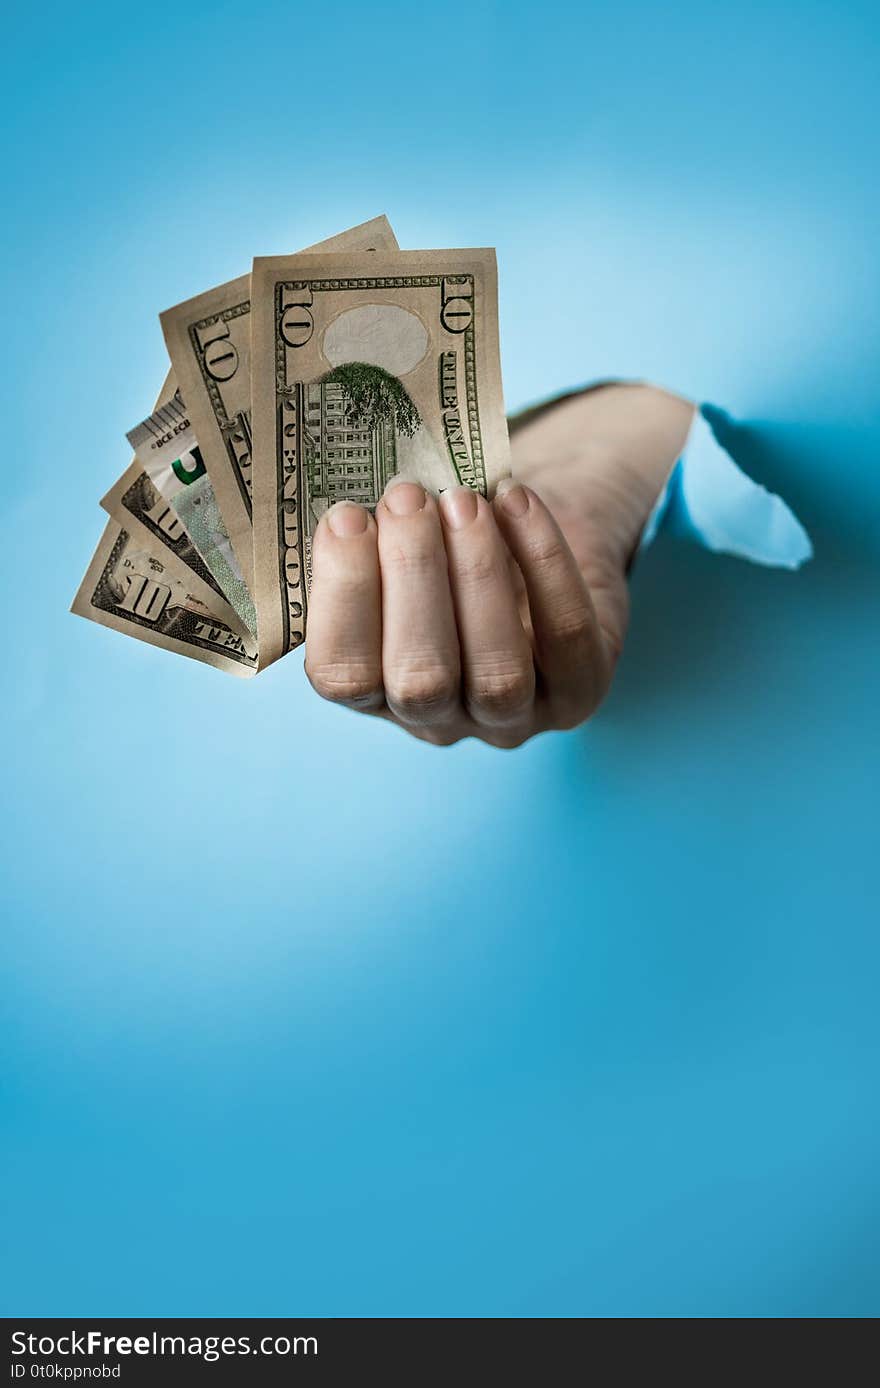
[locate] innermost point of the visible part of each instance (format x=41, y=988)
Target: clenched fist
x=499, y=620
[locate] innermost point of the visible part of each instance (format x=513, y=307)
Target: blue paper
x=708, y=498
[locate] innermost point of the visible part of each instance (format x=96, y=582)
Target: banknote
x=364, y=367
x=166, y=447
x=137, y=505
x=128, y=588
x=208, y=340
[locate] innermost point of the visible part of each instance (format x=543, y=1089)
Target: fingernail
x=346, y=519
x=513, y=497
x=459, y=506
x=404, y=498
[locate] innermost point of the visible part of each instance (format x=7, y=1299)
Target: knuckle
x=422, y=696
x=573, y=626
x=345, y=683
x=421, y=554
x=500, y=695
x=479, y=567
x=546, y=552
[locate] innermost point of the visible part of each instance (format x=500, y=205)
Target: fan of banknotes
x=314, y=379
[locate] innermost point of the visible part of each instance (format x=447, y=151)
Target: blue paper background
x=301, y=1016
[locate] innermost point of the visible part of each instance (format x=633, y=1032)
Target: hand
x=500, y=620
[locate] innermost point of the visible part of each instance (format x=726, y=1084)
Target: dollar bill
x=364, y=367
x=166, y=446
x=138, y=507
x=208, y=340
x=128, y=588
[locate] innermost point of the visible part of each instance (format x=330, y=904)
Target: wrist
x=601, y=458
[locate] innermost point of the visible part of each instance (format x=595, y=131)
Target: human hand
x=465, y=618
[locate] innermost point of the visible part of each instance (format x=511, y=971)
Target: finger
x=569, y=646
x=420, y=658
x=344, y=633
x=498, y=674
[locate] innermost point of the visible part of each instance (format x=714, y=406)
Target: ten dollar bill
x=364, y=367
x=208, y=340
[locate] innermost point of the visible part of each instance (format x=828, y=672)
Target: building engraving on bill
x=345, y=458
